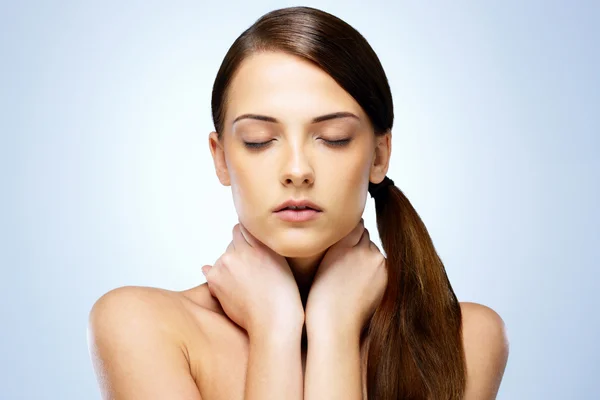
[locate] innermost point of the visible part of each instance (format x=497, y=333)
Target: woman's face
x=297, y=162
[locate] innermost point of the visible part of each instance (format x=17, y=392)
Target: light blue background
x=107, y=178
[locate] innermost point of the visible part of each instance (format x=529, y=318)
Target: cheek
x=250, y=190
x=244, y=200
x=347, y=188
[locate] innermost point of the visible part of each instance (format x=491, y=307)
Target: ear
x=381, y=157
x=217, y=150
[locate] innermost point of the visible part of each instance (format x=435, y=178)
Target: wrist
x=278, y=333
x=333, y=338
x=288, y=325
x=331, y=329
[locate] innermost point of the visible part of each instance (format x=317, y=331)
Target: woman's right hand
x=255, y=286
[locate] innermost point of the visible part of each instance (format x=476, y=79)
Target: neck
x=304, y=270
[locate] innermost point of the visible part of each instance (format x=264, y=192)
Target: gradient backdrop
x=107, y=179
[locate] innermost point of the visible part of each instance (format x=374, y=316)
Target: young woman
x=302, y=305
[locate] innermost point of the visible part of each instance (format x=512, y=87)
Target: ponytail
x=415, y=335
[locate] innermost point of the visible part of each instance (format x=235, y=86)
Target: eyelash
x=334, y=143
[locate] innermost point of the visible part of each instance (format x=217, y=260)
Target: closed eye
x=335, y=143
x=252, y=145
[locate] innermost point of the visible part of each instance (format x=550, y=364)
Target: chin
x=298, y=249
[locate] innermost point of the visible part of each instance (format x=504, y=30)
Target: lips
x=298, y=216
x=304, y=203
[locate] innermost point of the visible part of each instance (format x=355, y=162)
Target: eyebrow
x=321, y=118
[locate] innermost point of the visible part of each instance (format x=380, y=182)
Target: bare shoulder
x=137, y=347
x=486, y=347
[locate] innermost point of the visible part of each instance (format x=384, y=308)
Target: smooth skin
x=257, y=291
x=325, y=273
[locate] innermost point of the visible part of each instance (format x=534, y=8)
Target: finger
x=238, y=238
x=206, y=272
x=365, y=238
x=250, y=239
x=359, y=233
x=374, y=246
x=352, y=238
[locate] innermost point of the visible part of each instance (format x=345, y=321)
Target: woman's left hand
x=348, y=285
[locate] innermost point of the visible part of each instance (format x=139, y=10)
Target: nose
x=297, y=169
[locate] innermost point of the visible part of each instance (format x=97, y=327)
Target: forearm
x=333, y=366
x=274, y=366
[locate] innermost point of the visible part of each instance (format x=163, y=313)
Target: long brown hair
x=415, y=335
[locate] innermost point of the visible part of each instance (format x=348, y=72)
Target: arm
x=333, y=368
x=135, y=352
x=274, y=365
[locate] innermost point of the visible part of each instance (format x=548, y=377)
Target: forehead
x=287, y=87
